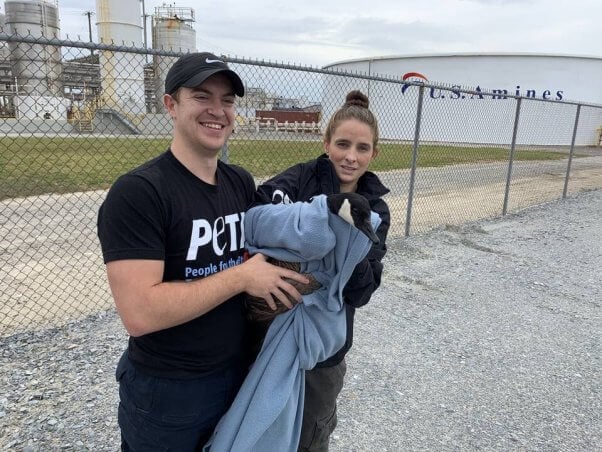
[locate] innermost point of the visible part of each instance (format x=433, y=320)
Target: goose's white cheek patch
x=345, y=212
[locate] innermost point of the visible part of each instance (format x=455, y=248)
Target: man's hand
x=269, y=282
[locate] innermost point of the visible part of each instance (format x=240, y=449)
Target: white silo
x=36, y=68
x=122, y=73
x=172, y=30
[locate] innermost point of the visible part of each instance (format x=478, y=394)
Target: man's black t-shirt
x=162, y=211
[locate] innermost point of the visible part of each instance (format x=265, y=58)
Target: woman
x=350, y=144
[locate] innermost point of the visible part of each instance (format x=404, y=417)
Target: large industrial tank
x=122, y=73
x=37, y=68
x=172, y=30
x=455, y=116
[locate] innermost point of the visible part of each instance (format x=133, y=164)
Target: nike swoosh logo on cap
x=207, y=60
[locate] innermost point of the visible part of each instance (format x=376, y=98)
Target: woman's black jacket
x=305, y=180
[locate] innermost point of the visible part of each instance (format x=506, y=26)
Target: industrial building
x=125, y=89
x=121, y=90
x=502, y=75
x=35, y=81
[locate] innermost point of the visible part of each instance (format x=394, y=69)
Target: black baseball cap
x=194, y=68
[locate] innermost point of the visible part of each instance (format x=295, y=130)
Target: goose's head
x=355, y=210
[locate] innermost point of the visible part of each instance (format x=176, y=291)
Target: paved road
x=51, y=268
x=433, y=180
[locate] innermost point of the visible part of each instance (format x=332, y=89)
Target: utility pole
x=89, y=14
x=144, y=16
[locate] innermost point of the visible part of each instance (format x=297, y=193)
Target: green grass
x=33, y=166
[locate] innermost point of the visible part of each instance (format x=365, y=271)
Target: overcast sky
x=317, y=33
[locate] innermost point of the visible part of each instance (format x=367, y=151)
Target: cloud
x=497, y=2
x=396, y=37
x=317, y=32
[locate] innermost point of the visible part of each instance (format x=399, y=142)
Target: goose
x=355, y=210
x=351, y=207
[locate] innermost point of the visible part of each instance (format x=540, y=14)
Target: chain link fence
x=75, y=115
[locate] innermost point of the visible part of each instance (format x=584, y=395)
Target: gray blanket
x=267, y=412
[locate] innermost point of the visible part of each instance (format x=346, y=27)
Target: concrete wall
x=108, y=124
x=288, y=115
x=155, y=124
x=151, y=124
x=41, y=107
x=27, y=126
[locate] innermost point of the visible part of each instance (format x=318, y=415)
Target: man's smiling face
x=204, y=116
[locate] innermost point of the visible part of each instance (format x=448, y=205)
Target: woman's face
x=350, y=150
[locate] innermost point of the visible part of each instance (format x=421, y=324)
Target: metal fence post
x=511, y=160
x=414, y=158
x=568, y=167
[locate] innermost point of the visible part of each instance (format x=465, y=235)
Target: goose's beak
x=366, y=228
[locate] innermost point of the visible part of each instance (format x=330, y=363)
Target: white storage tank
x=172, y=30
x=457, y=117
x=36, y=68
x=122, y=74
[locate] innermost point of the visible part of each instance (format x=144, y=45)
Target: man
x=172, y=240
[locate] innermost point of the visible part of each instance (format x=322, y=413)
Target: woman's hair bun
x=357, y=98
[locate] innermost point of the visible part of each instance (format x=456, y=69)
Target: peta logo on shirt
x=226, y=232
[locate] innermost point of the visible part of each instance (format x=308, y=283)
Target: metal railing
x=448, y=154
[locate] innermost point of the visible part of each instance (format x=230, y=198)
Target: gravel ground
x=482, y=337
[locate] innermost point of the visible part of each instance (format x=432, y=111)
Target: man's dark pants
x=161, y=414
